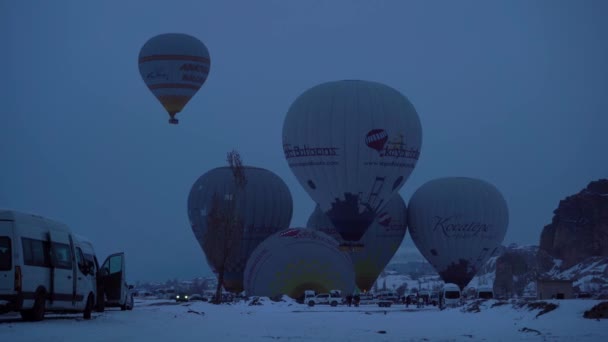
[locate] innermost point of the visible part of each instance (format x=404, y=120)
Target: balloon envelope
x=380, y=241
x=298, y=259
x=351, y=145
x=457, y=223
x=174, y=66
x=264, y=206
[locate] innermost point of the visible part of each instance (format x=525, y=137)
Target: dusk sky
x=512, y=92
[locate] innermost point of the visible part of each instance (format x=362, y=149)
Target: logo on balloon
x=450, y=227
x=158, y=73
x=377, y=139
x=384, y=219
x=290, y=232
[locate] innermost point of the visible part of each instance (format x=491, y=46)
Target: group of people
x=353, y=299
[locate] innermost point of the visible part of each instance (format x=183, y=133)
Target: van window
x=115, y=264
x=452, y=294
x=80, y=260
x=5, y=254
x=90, y=258
x=36, y=252
x=62, y=255
x=79, y=257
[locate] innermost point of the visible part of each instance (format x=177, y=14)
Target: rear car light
x=18, y=278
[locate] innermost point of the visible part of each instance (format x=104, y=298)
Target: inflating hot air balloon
x=295, y=260
x=264, y=207
x=380, y=241
x=457, y=224
x=174, y=66
x=351, y=145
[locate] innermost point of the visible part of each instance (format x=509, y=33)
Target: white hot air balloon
x=457, y=223
x=351, y=145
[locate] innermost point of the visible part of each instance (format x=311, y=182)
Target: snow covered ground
x=161, y=320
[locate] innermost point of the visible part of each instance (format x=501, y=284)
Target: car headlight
x=186, y=297
x=177, y=297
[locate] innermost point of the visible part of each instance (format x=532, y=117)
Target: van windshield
x=452, y=294
x=5, y=254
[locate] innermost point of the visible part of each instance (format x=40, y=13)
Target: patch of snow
x=197, y=321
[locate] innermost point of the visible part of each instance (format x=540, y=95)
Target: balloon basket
x=173, y=121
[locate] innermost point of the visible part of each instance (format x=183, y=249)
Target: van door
x=7, y=273
x=112, y=274
x=62, y=260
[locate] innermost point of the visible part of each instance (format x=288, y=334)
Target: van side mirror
x=130, y=287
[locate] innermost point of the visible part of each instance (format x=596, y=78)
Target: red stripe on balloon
x=174, y=86
x=173, y=58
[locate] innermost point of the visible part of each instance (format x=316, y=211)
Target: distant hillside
x=579, y=229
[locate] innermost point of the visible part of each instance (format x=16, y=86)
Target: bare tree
x=224, y=226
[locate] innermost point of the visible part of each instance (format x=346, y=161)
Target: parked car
x=307, y=297
x=181, y=297
x=367, y=298
x=324, y=298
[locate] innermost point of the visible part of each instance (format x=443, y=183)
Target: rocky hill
x=579, y=229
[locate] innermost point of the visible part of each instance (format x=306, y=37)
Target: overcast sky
x=513, y=92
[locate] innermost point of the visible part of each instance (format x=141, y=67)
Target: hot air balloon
x=351, y=145
x=264, y=207
x=380, y=241
x=295, y=260
x=174, y=66
x=457, y=223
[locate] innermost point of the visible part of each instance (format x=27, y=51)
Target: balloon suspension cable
x=173, y=120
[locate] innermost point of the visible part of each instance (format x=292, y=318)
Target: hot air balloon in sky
x=265, y=207
x=380, y=241
x=298, y=259
x=352, y=145
x=174, y=66
x=457, y=223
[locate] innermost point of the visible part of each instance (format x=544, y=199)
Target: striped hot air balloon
x=174, y=66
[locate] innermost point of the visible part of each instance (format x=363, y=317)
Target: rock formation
x=579, y=228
